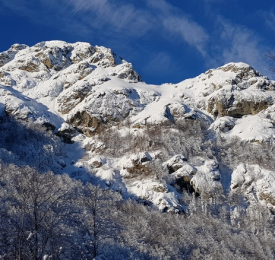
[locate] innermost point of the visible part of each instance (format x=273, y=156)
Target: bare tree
x=98, y=225
x=272, y=57
x=37, y=206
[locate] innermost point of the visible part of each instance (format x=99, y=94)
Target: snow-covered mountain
x=115, y=126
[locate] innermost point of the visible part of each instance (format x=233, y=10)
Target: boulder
x=175, y=163
x=66, y=132
x=95, y=162
x=207, y=180
x=85, y=122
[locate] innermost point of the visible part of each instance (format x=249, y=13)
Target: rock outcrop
x=203, y=177
x=256, y=183
x=243, y=94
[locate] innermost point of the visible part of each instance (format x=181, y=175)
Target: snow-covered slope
x=83, y=90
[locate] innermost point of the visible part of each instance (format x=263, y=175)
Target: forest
x=45, y=214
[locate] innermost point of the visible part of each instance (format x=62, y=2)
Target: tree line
x=47, y=216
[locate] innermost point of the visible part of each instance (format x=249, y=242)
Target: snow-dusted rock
x=202, y=177
x=66, y=132
x=141, y=158
x=256, y=183
x=89, y=85
x=19, y=106
x=8, y=55
x=235, y=89
x=223, y=124
x=175, y=163
x=96, y=161
x=207, y=180
x=127, y=72
x=156, y=193
x=136, y=165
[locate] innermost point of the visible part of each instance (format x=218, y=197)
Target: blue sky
x=166, y=41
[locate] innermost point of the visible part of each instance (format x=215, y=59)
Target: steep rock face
x=70, y=98
x=253, y=128
x=127, y=72
x=105, y=57
x=103, y=103
x=87, y=123
x=235, y=106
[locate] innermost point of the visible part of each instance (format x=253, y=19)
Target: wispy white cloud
x=160, y=62
x=22, y=7
x=214, y=1
x=269, y=19
x=240, y=44
x=179, y=23
x=161, y=15
x=190, y=32
x=111, y=17
x=118, y=16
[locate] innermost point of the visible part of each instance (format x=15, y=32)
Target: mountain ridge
x=91, y=97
